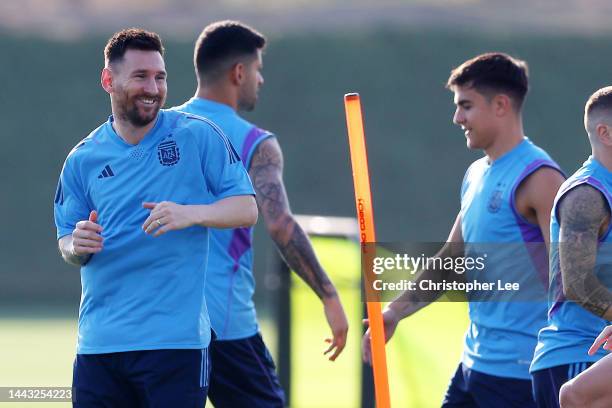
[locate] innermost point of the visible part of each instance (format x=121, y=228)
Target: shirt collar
x=210, y=105
x=150, y=137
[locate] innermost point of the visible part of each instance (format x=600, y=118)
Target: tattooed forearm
x=411, y=301
x=266, y=174
x=582, y=213
x=598, y=302
x=300, y=257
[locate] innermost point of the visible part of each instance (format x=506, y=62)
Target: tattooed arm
x=266, y=171
x=584, y=215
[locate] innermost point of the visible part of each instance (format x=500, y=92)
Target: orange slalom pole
x=367, y=235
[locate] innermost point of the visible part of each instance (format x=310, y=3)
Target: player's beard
x=128, y=109
x=247, y=105
x=247, y=100
x=140, y=118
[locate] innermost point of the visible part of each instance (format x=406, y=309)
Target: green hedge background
x=51, y=98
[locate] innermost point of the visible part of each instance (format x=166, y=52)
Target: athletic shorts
x=548, y=382
x=472, y=389
x=243, y=375
x=134, y=379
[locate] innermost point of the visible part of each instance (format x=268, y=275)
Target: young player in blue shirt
x=228, y=62
x=130, y=211
x=580, y=293
x=506, y=198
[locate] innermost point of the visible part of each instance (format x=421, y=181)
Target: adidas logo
x=107, y=172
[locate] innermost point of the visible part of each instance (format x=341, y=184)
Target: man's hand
x=336, y=318
x=86, y=238
x=168, y=216
x=602, y=340
x=390, y=321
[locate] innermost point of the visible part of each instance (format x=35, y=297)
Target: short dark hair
x=601, y=100
x=134, y=39
x=493, y=73
x=222, y=44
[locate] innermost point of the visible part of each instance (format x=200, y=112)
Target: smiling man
x=506, y=198
x=129, y=210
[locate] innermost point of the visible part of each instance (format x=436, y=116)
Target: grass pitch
x=421, y=357
x=37, y=350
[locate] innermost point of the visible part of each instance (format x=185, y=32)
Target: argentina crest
x=495, y=201
x=168, y=153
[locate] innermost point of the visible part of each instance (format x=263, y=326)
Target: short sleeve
x=70, y=205
x=251, y=142
x=223, y=170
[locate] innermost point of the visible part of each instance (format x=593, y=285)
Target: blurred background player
x=228, y=63
x=143, y=330
x=506, y=197
x=581, y=274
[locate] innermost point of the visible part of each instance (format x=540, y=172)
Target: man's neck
x=508, y=138
x=218, y=94
x=130, y=133
x=604, y=157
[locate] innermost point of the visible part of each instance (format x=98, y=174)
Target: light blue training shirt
x=143, y=292
x=230, y=286
x=503, y=327
x=571, y=329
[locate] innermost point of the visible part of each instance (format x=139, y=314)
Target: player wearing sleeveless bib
x=581, y=277
x=228, y=64
x=506, y=198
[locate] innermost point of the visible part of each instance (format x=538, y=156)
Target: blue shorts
x=243, y=375
x=548, y=382
x=472, y=389
x=152, y=378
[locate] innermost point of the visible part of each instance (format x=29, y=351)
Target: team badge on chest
x=168, y=153
x=495, y=201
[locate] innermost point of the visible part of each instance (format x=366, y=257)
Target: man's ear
x=502, y=104
x=237, y=74
x=106, y=79
x=604, y=134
